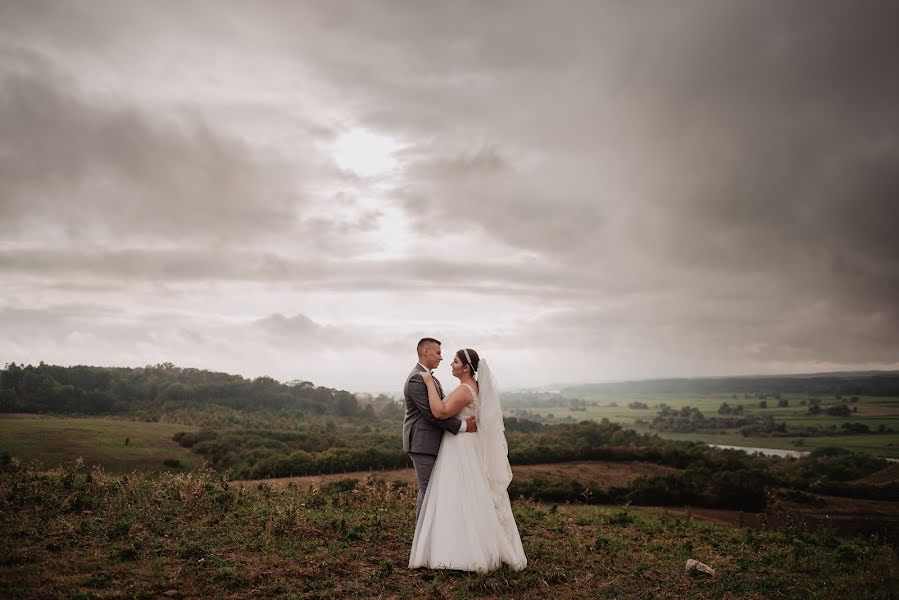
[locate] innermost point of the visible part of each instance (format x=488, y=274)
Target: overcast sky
x=581, y=191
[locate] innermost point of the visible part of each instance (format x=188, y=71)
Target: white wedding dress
x=466, y=520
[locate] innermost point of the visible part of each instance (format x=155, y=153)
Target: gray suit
x=422, y=431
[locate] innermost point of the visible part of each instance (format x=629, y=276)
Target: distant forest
x=87, y=390
x=880, y=383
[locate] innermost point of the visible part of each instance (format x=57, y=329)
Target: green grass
x=889, y=422
x=87, y=535
x=872, y=411
x=50, y=441
x=882, y=445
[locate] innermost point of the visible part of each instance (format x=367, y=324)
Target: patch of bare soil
x=847, y=516
x=888, y=475
x=316, y=481
x=875, y=410
x=604, y=474
x=838, y=506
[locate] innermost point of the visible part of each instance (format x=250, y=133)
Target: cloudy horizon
x=582, y=191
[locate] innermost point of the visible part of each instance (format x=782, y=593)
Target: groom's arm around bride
x=422, y=431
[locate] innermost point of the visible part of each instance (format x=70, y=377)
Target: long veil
x=492, y=447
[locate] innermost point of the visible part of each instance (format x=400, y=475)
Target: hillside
x=868, y=383
x=83, y=534
x=120, y=446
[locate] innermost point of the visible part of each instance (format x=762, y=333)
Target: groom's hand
x=471, y=425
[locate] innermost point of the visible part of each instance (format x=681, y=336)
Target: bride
x=466, y=520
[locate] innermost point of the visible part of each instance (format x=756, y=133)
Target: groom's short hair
x=424, y=342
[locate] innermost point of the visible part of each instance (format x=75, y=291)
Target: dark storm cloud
x=93, y=167
x=753, y=328
x=725, y=142
x=193, y=265
x=747, y=116
x=702, y=181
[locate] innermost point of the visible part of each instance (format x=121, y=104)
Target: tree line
x=87, y=390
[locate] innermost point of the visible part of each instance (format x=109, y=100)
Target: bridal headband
x=470, y=364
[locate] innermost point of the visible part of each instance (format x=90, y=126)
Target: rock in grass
x=694, y=566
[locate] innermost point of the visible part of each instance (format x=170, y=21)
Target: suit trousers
x=424, y=464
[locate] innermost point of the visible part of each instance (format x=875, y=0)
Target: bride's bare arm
x=452, y=405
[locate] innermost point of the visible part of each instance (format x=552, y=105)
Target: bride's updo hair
x=475, y=359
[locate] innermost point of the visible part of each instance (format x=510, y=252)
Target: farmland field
x=874, y=412
x=50, y=441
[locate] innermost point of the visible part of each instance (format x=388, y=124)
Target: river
x=776, y=451
x=765, y=451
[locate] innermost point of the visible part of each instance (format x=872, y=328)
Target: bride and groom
x=463, y=515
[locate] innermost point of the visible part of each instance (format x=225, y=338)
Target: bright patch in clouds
x=365, y=153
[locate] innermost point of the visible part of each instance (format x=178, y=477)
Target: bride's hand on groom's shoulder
x=426, y=375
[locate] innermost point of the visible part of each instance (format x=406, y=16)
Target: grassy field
x=78, y=534
x=50, y=441
x=872, y=411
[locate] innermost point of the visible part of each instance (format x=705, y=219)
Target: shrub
x=840, y=410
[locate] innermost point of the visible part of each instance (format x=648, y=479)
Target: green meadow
x=50, y=441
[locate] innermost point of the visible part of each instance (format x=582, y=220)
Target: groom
x=422, y=431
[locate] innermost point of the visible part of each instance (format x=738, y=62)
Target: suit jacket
x=422, y=431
